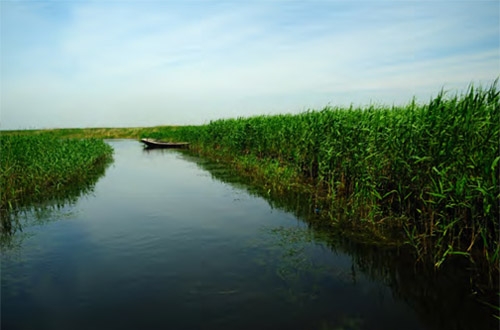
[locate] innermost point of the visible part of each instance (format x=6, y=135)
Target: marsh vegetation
x=426, y=172
x=43, y=167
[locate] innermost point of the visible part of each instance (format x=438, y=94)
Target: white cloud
x=133, y=64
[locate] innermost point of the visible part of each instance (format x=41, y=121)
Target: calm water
x=170, y=241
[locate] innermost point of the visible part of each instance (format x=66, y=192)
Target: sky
x=145, y=63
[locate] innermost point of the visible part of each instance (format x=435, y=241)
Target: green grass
x=430, y=171
x=37, y=167
x=99, y=133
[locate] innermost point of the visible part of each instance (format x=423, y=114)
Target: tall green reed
x=436, y=166
x=35, y=167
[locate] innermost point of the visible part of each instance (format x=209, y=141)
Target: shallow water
x=171, y=241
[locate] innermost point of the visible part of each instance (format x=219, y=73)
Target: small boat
x=151, y=143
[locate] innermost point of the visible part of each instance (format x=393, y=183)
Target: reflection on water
x=169, y=240
x=45, y=208
x=452, y=297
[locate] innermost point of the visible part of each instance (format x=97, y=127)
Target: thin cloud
x=136, y=63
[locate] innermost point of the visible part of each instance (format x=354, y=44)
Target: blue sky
x=144, y=63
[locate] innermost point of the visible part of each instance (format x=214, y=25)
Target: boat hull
x=150, y=143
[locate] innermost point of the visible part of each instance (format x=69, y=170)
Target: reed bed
x=97, y=132
x=36, y=167
x=430, y=171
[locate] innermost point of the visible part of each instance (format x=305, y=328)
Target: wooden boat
x=151, y=143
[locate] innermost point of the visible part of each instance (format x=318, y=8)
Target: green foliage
x=435, y=165
x=100, y=133
x=33, y=167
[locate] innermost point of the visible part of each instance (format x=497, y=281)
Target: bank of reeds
x=430, y=171
x=37, y=167
x=98, y=132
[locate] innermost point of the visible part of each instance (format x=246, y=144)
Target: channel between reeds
x=428, y=171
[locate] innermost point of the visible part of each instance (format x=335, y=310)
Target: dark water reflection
x=44, y=208
x=170, y=241
x=455, y=297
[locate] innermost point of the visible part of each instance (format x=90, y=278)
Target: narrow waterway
x=170, y=241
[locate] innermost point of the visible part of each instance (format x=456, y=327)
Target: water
x=170, y=241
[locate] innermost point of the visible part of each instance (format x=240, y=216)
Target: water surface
x=171, y=241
